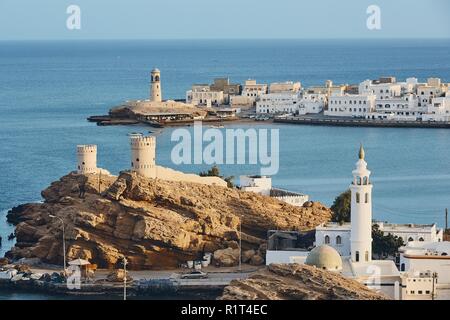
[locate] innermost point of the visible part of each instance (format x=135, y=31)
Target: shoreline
x=364, y=123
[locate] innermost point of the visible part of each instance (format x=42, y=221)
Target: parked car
x=195, y=275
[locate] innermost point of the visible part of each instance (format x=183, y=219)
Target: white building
x=253, y=90
x=428, y=257
x=202, y=95
x=286, y=102
x=312, y=102
x=438, y=109
x=155, y=86
x=350, y=105
x=337, y=235
x=384, y=88
x=263, y=185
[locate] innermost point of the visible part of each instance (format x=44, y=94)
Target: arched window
x=357, y=197
x=402, y=267
x=358, y=181
x=366, y=200
x=365, y=180
x=327, y=239
x=338, y=240
x=421, y=239
x=357, y=256
x=367, y=256
x=157, y=78
x=410, y=239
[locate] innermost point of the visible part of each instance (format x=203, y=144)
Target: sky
x=229, y=19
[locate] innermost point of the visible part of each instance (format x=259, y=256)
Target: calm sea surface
x=47, y=89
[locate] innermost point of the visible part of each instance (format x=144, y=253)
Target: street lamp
x=64, y=239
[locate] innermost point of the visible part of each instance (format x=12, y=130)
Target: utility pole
x=240, y=244
x=63, y=239
x=125, y=278
x=446, y=219
x=99, y=180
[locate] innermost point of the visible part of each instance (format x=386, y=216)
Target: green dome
x=324, y=257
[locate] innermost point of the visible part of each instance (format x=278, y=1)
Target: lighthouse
x=361, y=212
x=155, y=86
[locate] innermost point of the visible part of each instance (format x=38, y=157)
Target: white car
x=194, y=275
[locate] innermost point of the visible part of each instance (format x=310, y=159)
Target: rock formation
x=154, y=223
x=298, y=282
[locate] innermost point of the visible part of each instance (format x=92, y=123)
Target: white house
x=202, y=95
x=312, y=102
x=350, y=105
x=263, y=185
x=428, y=257
x=286, y=102
x=438, y=109
x=384, y=88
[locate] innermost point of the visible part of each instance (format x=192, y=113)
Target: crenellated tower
x=143, y=150
x=87, y=159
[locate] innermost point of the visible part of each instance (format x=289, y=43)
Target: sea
x=49, y=88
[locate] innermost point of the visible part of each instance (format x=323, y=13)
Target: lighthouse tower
x=361, y=212
x=155, y=86
x=87, y=159
x=143, y=155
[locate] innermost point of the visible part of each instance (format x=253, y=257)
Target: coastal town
x=380, y=102
x=177, y=233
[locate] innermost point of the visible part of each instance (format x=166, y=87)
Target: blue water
x=47, y=89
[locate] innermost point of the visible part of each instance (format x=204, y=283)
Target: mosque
x=425, y=267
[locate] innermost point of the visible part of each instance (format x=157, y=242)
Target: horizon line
x=228, y=39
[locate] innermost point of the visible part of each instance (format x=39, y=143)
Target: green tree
x=384, y=245
x=215, y=172
x=341, y=207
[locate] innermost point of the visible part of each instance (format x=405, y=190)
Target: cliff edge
x=154, y=223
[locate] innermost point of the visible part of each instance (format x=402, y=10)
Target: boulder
x=118, y=276
x=247, y=255
x=226, y=257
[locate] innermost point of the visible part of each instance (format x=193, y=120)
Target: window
x=367, y=255
x=366, y=200
x=419, y=292
x=327, y=239
x=357, y=197
x=357, y=256
x=338, y=240
x=421, y=239
x=358, y=181
x=410, y=239
x=365, y=180
x=412, y=291
x=402, y=267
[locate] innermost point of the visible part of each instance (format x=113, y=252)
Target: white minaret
x=155, y=86
x=87, y=159
x=361, y=212
x=143, y=155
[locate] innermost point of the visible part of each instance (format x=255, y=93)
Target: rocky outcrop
x=154, y=223
x=298, y=282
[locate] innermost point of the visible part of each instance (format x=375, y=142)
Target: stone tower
x=155, y=86
x=143, y=149
x=87, y=159
x=361, y=212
